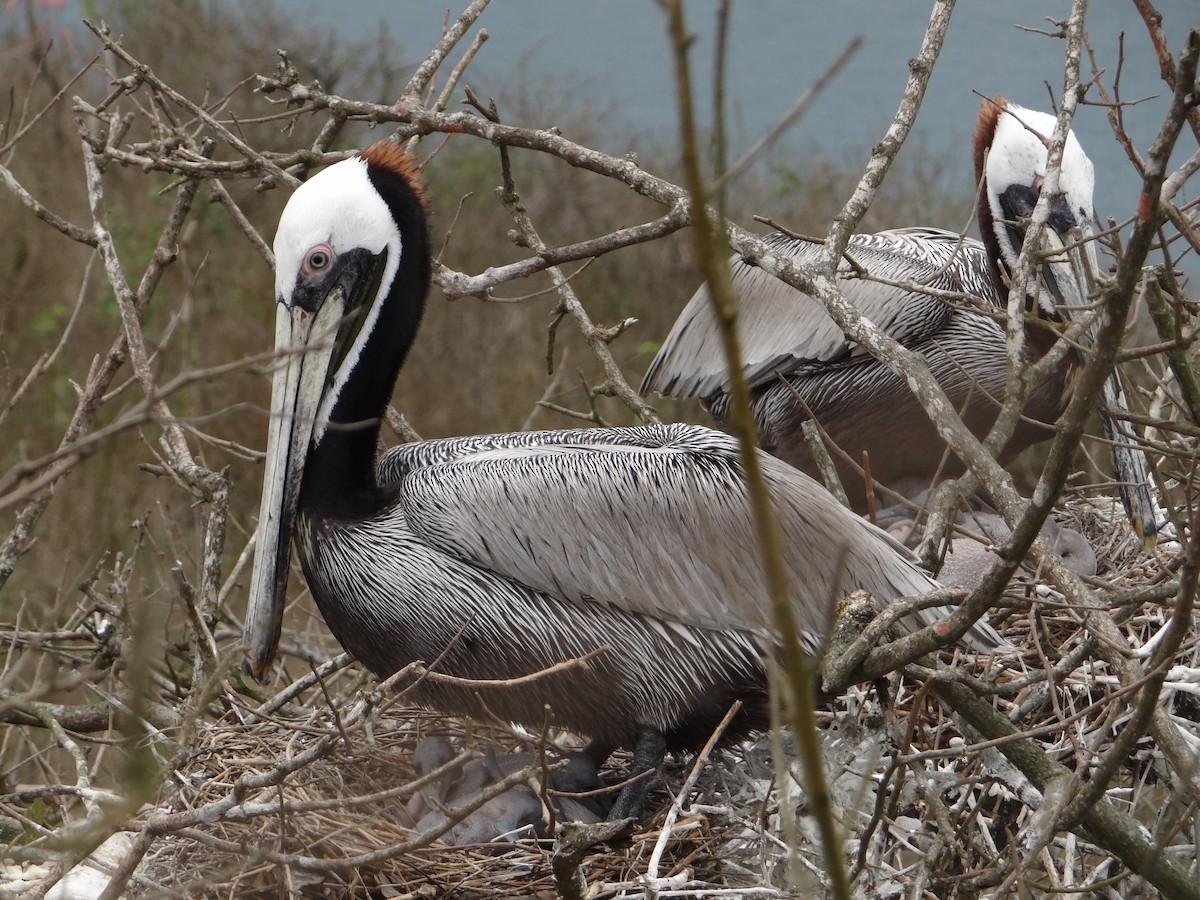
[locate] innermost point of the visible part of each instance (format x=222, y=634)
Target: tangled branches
x=1071, y=765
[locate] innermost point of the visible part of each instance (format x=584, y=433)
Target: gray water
x=614, y=55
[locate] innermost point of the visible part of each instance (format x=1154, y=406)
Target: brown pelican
x=499, y=556
x=796, y=357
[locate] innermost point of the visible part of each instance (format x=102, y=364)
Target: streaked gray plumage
x=791, y=346
x=496, y=557
x=510, y=553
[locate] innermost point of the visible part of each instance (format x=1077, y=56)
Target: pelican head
x=340, y=254
x=1012, y=149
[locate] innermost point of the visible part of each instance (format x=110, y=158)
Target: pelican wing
x=652, y=520
x=783, y=329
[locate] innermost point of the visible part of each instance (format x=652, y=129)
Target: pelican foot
x=648, y=755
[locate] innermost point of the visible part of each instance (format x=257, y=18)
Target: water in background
x=614, y=54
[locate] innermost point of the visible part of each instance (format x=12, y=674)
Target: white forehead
x=1019, y=154
x=338, y=205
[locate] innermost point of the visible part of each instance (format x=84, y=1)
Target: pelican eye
x=317, y=260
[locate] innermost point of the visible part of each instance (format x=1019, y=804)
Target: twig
x=797, y=665
x=651, y=878
x=424, y=74
x=143, y=74
x=424, y=673
x=797, y=109
x=71, y=230
x=596, y=338
x=456, y=284
x=884, y=153
x=47, y=359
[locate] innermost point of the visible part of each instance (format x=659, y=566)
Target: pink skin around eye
x=317, y=260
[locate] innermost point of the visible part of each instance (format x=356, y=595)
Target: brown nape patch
x=985, y=132
x=981, y=142
x=391, y=155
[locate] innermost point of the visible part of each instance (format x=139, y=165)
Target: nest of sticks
x=309, y=794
